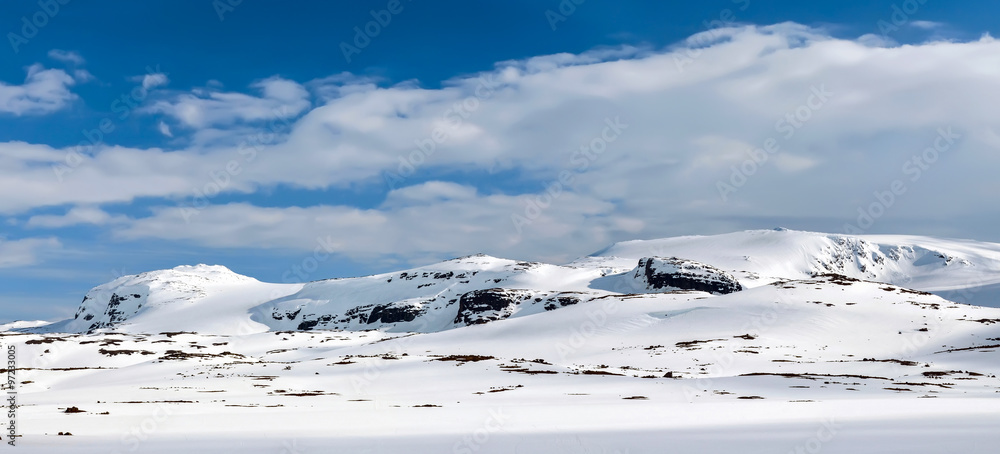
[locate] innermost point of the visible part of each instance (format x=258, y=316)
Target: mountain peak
x=426, y=298
x=201, y=267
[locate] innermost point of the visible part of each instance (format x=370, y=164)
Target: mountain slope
x=479, y=289
x=198, y=298
x=747, y=342
x=963, y=270
x=771, y=364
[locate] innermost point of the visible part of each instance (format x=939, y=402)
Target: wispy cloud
x=75, y=216
x=43, y=91
x=208, y=107
x=66, y=56
x=430, y=219
x=83, y=76
x=926, y=24
x=24, y=252
x=164, y=129
x=151, y=80
x=537, y=120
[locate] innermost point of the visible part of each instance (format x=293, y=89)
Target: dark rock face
x=307, y=325
x=482, y=306
x=367, y=314
x=674, y=273
x=83, y=307
x=112, y=312
x=115, y=315
x=561, y=301
x=290, y=314
x=388, y=313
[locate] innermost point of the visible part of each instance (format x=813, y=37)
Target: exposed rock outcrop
x=672, y=273
x=482, y=306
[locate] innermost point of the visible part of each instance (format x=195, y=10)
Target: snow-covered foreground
x=840, y=364
x=948, y=430
x=555, y=359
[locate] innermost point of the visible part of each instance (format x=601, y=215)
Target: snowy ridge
x=598, y=346
x=672, y=273
x=186, y=297
x=758, y=257
x=790, y=354
x=479, y=288
x=425, y=299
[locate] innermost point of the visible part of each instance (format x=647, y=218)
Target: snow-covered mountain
x=962, y=270
x=479, y=288
x=746, y=342
x=199, y=298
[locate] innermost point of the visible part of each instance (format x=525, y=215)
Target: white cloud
x=926, y=24
x=280, y=98
x=789, y=162
x=432, y=219
x=65, y=56
x=25, y=252
x=876, y=40
x=75, y=216
x=152, y=80
x=339, y=85
x=164, y=129
x=687, y=129
x=82, y=75
x=430, y=192
x=43, y=91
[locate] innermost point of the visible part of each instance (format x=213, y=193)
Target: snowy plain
x=834, y=344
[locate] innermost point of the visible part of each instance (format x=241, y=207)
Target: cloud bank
x=762, y=122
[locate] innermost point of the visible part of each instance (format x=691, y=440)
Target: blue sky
x=241, y=135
